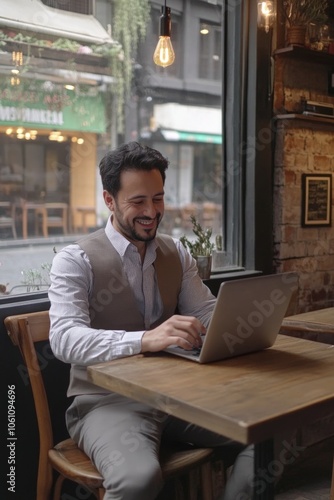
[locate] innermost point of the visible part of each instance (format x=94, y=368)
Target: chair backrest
x=56, y=212
x=7, y=215
x=25, y=330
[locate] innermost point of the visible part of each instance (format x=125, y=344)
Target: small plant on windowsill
x=201, y=248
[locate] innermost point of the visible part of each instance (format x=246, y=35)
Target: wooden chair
x=332, y=486
x=7, y=216
x=65, y=457
x=52, y=215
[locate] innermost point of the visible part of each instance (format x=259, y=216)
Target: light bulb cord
x=165, y=22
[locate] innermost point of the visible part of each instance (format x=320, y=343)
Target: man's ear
x=108, y=200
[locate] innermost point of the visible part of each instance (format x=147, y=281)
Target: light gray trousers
x=123, y=437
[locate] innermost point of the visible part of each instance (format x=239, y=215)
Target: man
x=115, y=293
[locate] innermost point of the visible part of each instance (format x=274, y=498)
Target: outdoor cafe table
x=250, y=398
x=37, y=208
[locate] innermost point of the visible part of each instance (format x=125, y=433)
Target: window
x=80, y=6
x=210, y=59
x=52, y=138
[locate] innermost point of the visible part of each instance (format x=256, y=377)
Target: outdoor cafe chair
x=7, y=216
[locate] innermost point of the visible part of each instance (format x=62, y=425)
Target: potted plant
x=299, y=14
x=201, y=248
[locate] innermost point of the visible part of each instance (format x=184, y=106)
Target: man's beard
x=130, y=232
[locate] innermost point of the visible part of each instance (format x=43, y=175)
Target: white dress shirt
x=71, y=337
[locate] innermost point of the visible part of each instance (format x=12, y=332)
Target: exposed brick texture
x=303, y=147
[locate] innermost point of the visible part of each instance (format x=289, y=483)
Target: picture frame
x=316, y=200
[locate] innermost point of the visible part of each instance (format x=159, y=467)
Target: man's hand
x=183, y=331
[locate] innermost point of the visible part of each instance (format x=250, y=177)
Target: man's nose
x=150, y=210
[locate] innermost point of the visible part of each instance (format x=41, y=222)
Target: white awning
x=186, y=118
x=33, y=15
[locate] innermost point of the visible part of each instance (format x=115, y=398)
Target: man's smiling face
x=138, y=206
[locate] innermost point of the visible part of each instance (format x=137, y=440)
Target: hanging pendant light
x=266, y=15
x=17, y=59
x=164, y=53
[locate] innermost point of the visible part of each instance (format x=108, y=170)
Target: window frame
x=212, y=68
x=248, y=158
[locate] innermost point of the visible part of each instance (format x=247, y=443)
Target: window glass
x=210, y=63
x=59, y=114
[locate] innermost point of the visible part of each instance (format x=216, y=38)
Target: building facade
x=57, y=112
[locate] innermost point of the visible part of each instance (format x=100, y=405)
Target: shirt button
x=130, y=350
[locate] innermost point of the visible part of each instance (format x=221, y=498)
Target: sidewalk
x=28, y=260
x=56, y=239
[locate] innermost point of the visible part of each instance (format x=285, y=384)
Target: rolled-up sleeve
x=71, y=337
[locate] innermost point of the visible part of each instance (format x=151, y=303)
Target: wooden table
x=249, y=398
x=37, y=208
x=84, y=211
x=317, y=325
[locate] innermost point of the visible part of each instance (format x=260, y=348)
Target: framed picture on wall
x=316, y=200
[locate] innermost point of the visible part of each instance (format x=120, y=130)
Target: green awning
x=56, y=111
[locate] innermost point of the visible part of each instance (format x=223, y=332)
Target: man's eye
x=158, y=200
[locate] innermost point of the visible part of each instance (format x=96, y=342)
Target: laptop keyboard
x=196, y=351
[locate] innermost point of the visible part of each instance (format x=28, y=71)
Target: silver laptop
x=247, y=317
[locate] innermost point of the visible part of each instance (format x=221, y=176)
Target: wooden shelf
x=305, y=54
x=306, y=118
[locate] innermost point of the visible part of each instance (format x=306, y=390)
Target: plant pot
x=296, y=35
x=204, y=263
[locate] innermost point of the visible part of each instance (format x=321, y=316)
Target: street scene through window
x=78, y=79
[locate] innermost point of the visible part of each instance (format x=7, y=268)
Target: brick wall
x=303, y=146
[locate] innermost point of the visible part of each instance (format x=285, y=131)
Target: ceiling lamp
x=266, y=14
x=17, y=59
x=164, y=53
x=57, y=136
x=15, y=80
x=204, y=29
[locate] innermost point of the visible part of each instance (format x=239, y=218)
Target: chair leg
x=44, y=223
x=198, y=482
x=14, y=231
x=58, y=487
x=99, y=494
x=332, y=487
x=206, y=481
x=65, y=224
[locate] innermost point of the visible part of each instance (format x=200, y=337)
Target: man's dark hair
x=130, y=156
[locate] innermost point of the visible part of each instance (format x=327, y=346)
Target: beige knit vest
x=112, y=303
